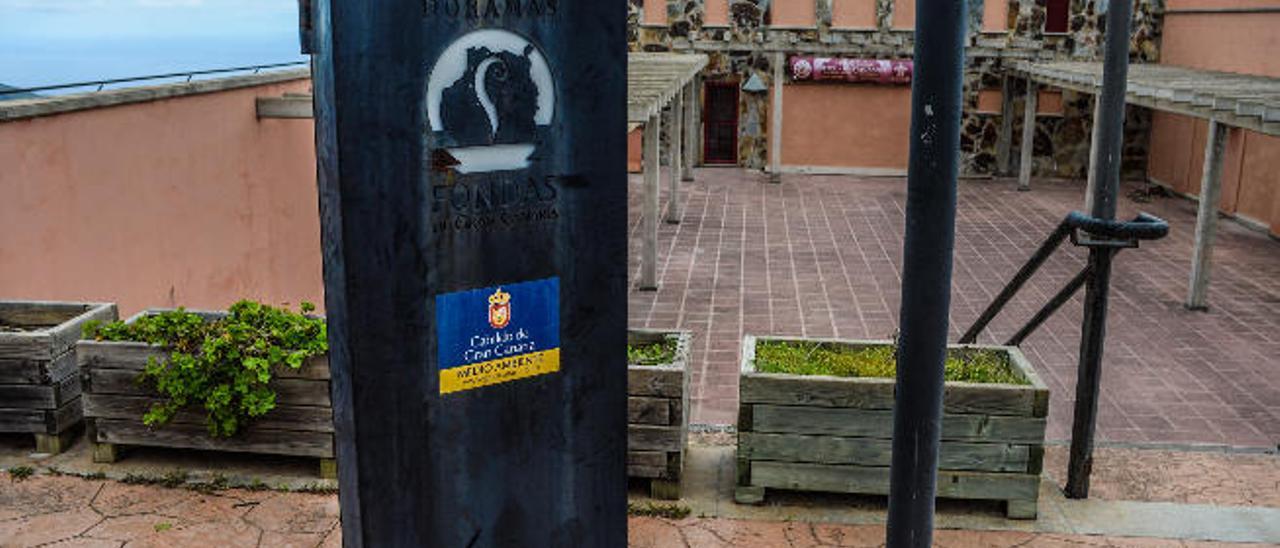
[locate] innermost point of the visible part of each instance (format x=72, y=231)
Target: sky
x=46, y=42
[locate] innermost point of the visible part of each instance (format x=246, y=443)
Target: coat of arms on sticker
x=499, y=309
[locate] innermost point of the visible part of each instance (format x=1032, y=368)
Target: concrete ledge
x=46, y=106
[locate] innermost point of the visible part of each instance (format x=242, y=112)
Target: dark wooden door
x=720, y=123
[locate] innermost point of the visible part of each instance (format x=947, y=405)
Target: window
x=1057, y=15
x=655, y=12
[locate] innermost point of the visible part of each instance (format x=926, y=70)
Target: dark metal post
x=1106, y=177
x=926, y=280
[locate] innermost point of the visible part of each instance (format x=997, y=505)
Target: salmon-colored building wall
x=845, y=125
x=1228, y=41
x=717, y=13
x=904, y=14
x=655, y=12
x=853, y=14
x=635, y=146
x=793, y=13
x=187, y=201
x=1222, y=41
x=995, y=16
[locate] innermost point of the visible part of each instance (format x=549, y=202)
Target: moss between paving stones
x=655, y=353
x=975, y=365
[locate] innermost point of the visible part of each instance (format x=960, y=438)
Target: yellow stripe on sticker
x=498, y=371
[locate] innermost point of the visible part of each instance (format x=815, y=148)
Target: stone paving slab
x=1166, y=475
x=821, y=256
x=708, y=533
x=1169, y=497
x=710, y=478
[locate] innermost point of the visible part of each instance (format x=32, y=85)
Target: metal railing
x=100, y=84
x=1084, y=231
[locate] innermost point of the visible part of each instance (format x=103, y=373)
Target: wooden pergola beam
x=1224, y=99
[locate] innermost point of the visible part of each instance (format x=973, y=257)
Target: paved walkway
x=1142, y=498
x=65, y=512
x=820, y=256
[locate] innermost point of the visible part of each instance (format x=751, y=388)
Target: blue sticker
x=498, y=334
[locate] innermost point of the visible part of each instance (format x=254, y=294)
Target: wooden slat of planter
x=40, y=396
x=995, y=399
x=816, y=391
x=642, y=410
x=288, y=391
x=63, y=418
x=879, y=424
x=647, y=472
x=875, y=481
x=22, y=371
x=661, y=382
x=866, y=393
x=32, y=371
x=64, y=321
x=647, y=458
x=643, y=437
x=23, y=421
x=989, y=457
x=36, y=313
x=117, y=355
x=283, y=417
x=23, y=346
x=251, y=440
x=134, y=356
x=30, y=396
x=646, y=464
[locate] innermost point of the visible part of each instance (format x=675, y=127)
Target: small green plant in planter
x=222, y=365
x=652, y=353
x=976, y=365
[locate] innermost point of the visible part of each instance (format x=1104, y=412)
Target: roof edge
x=19, y=109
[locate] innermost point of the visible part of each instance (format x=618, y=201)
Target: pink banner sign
x=876, y=71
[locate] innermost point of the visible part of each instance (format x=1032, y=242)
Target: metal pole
x=926, y=281
x=1106, y=176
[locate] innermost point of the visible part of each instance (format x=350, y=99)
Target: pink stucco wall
x=846, y=125
x=793, y=13
x=1223, y=41
x=187, y=201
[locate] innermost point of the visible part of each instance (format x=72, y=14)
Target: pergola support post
x=652, y=172
x=690, y=130
x=775, y=122
x=1004, y=141
x=1093, y=154
x=1028, y=136
x=1207, y=216
x=675, y=153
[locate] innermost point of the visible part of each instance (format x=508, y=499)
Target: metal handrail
x=1120, y=234
x=188, y=75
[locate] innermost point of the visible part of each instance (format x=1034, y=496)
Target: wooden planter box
x=658, y=416
x=301, y=424
x=832, y=434
x=39, y=380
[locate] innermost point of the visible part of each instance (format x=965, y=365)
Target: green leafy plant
x=652, y=353
x=977, y=365
x=19, y=473
x=222, y=365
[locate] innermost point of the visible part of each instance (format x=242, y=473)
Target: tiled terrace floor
x=820, y=256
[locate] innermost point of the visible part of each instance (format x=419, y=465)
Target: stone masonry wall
x=746, y=48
